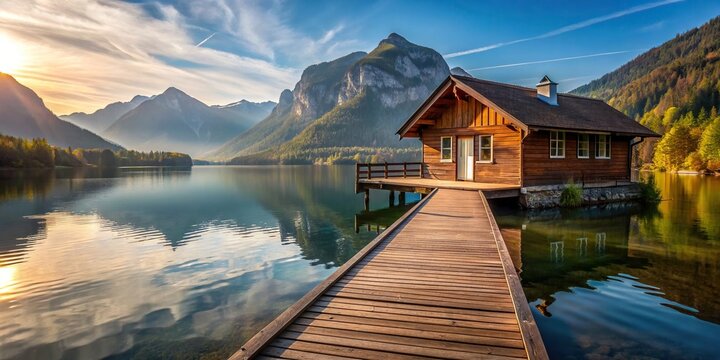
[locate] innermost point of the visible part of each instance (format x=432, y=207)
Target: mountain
x=175, y=121
x=101, y=119
x=315, y=94
x=348, y=108
x=23, y=114
x=683, y=72
x=460, y=72
x=248, y=111
x=674, y=89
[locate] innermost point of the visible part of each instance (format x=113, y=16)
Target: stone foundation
x=541, y=197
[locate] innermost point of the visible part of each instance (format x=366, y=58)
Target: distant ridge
x=175, y=121
x=101, y=119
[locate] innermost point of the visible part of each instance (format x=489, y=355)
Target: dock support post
x=367, y=199
x=401, y=198
x=391, y=198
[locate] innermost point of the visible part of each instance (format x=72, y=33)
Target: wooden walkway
x=438, y=283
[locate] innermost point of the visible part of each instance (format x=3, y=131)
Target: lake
x=623, y=281
x=156, y=263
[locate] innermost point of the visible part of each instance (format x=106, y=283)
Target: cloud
x=554, y=60
x=83, y=54
x=568, y=28
x=264, y=29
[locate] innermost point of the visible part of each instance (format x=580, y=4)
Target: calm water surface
x=158, y=263
x=621, y=281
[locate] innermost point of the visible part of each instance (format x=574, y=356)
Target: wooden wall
x=470, y=118
x=540, y=169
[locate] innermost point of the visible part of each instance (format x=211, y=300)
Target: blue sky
x=254, y=49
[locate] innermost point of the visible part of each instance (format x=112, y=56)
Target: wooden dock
x=438, y=283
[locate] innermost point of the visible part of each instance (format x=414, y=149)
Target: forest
x=674, y=89
x=37, y=153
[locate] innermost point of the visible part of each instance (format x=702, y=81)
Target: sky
x=80, y=55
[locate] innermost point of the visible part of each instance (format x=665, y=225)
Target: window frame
x=558, y=141
x=443, y=148
x=588, y=146
x=480, y=148
x=607, y=146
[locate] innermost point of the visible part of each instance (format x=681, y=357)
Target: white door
x=465, y=160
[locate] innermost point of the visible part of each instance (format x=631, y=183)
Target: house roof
x=521, y=105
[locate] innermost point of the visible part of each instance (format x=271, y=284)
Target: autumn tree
x=674, y=148
x=710, y=144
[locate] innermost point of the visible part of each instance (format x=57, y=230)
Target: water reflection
x=624, y=281
x=151, y=263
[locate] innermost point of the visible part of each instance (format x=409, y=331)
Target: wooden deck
x=438, y=283
x=436, y=184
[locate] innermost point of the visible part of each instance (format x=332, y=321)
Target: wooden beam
x=528, y=327
x=425, y=122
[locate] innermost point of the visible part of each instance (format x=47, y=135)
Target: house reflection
x=561, y=250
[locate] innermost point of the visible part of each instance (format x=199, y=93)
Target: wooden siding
x=472, y=118
x=540, y=169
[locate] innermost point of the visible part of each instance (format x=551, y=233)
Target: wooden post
x=391, y=198
x=367, y=199
x=369, y=170
x=404, y=170
x=386, y=170
x=401, y=198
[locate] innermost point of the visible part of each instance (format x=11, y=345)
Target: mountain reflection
x=149, y=263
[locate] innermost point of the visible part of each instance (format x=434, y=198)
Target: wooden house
x=488, y=132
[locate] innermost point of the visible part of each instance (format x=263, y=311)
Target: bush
x=695, y=162
x=649, y=192
x=571, y=196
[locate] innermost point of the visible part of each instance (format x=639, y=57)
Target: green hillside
x=673, y=89
x=360, y=130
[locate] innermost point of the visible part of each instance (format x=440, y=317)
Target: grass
x=571, y=196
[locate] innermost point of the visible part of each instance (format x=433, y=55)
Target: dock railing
x=388, y=170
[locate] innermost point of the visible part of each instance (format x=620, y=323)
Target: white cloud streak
x=553, y=60
x=568, y=28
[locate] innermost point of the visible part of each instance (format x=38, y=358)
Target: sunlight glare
x=11, y=55
x=7, y=279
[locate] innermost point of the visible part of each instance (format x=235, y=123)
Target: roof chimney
x=547, y=91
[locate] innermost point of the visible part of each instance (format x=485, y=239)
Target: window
x=602, y=147
x=583, y=151
x=557, y=144
x=486, y=149
x=446, y=149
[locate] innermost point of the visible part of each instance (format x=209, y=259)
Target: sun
x=11, y=55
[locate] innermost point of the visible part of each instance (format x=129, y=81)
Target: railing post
x=369, y=170
x=386, y=170
x=404, y=169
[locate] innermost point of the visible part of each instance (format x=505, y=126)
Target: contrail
x=568, y=28
x=553, y=60
x=206, y=39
